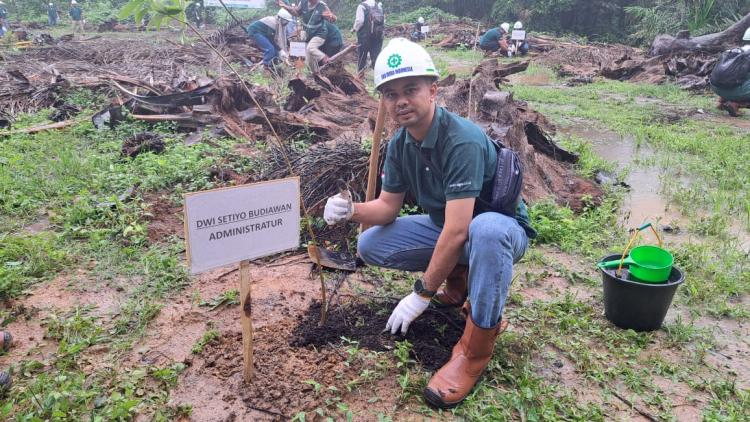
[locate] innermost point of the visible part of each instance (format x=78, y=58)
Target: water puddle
x=645, y=201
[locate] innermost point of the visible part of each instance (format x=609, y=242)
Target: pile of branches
x=458, y=34
x=35, y=79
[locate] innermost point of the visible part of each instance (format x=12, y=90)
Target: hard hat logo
x=394, y=61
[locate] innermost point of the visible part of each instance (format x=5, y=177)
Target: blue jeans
x=269, y=50
x=495, y=243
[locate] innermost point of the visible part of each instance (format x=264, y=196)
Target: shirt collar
x=430, y=140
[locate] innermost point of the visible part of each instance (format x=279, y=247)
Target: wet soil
x=432, y=335
x=164, y=217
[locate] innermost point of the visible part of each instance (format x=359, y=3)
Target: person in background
x=496, y=39
x=312, y=14
x=519, y=47
x=195, y=13
x=52, y=15
x=3, y=19
x=269, y=34
x=417, y=34
x=76, y=14
x=734, y=97
x=369, y=24
x=334, y=41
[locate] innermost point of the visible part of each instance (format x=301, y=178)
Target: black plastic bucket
x=635, y=305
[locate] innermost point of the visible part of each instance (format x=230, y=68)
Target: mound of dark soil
x=142, y=142
x=432, y=335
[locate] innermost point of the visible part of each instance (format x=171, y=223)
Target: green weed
x=209, y=337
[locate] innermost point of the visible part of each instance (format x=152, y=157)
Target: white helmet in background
x=746, y=37
x=50, y=4
x=73, y=2
x=505, y=26
x=420, y=20
x=402, y=58
x=284, y=14
x=518, y=25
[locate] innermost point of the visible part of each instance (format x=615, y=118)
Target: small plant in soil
x=209, y=337
x=228, y=298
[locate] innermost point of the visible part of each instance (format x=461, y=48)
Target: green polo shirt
x=467, y=160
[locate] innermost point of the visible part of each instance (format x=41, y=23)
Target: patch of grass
x=74, y=331
x=590, y=233
x=26, y=259
x=72, y=394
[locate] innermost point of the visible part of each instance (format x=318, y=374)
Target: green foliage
x=160, y=11
x=667, y=17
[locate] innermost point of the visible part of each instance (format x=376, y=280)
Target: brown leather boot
x=453, y=293
x=454, y=381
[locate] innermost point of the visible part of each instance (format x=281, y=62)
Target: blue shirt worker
x=448, y=163
x=76, y=14
x=269, y=34
x=369, y=24
x=495, y=39
x=313, y=15
x=52, y=15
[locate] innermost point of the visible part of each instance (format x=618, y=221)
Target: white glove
x=406, y=311
x=338, y=208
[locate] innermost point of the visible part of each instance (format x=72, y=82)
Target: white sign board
x=226, y=226
x=425, y=29
x=518, y=35
x=238, y=4
x=297, y=49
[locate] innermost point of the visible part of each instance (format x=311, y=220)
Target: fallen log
x=709, y=43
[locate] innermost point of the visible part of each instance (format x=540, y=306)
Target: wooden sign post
x=246, y=320
x=237, y=224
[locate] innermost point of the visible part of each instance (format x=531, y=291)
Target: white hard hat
x=505, y=26
x=420, y=20
x=518, y=25
x=380, y=5
x=50, y=4
x=73, y=2
x=746, y=37
x=402, y=58
x=284, y=14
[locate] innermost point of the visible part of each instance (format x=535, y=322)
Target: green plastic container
x=649, y=264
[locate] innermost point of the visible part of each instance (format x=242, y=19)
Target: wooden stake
x=246, y=320
x=372, y=175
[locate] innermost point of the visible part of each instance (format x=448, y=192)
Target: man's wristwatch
x=420, y=289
